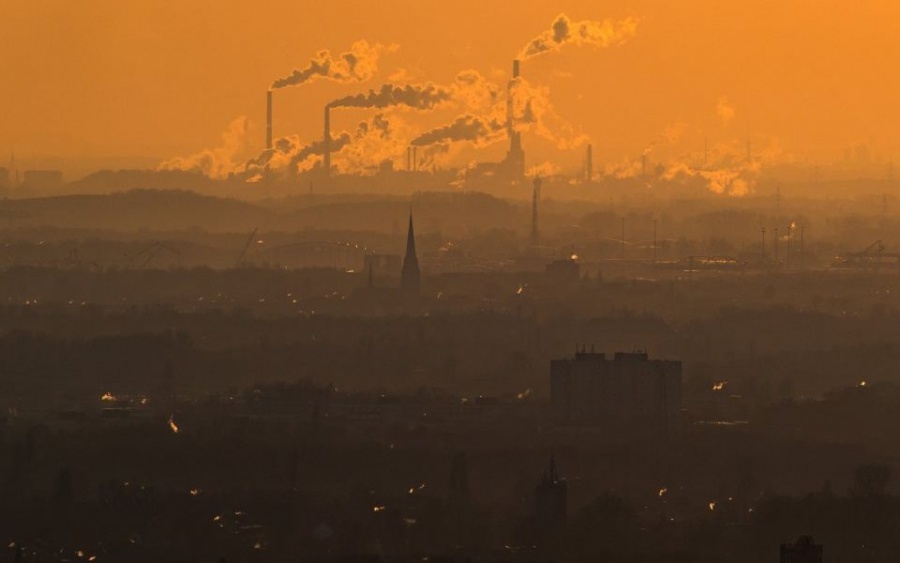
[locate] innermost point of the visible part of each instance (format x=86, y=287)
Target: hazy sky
x=158, y=78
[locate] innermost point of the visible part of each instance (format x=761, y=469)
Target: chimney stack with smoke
x=326, y=143
x=269, y=120
x=515, y=158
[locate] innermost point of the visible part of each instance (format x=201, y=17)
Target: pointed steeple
x=410, y=276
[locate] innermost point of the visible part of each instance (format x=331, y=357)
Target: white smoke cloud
x=728, y=170
x=217, y=163
x=359, y=64
x=563, y=31
x=534, y=112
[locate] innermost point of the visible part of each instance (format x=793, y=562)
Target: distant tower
x=536, y=198
x=410, y=278
x=551, y=499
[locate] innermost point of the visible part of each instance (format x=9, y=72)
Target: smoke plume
x=217, y=163
x=358, y=64
x=477, y=130
x=484, y=120
x=416, y=96
x=563, y=31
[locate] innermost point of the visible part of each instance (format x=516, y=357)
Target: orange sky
x=151, y=79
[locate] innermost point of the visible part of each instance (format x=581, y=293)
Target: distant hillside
x=136, y=209
x=450, y=213
x=110, y=181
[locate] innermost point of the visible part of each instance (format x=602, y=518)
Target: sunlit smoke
x=359, y=64
x=477, y=130
x=217, y=163
x=725, y=168
x=534, y=112
x=291, y=155
x=563, y=31
x=485, y=121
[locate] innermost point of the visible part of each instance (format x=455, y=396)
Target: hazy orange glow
x=110, y=83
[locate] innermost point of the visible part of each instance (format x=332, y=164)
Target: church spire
x=410, y=276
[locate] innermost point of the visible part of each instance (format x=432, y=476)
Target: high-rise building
x=628, y=391
x=410, y=277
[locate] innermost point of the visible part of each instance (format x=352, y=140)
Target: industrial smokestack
x=415, y=160
x=515, y=158
x=589, y=164
x=269, y=120
x=409, y=158
x=326, y=143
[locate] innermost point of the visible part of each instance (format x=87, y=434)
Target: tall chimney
x=515, y=158
x=269, y=119
x=415, y=160
x=409, y=158
x=589, y=164
x=326, y=143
